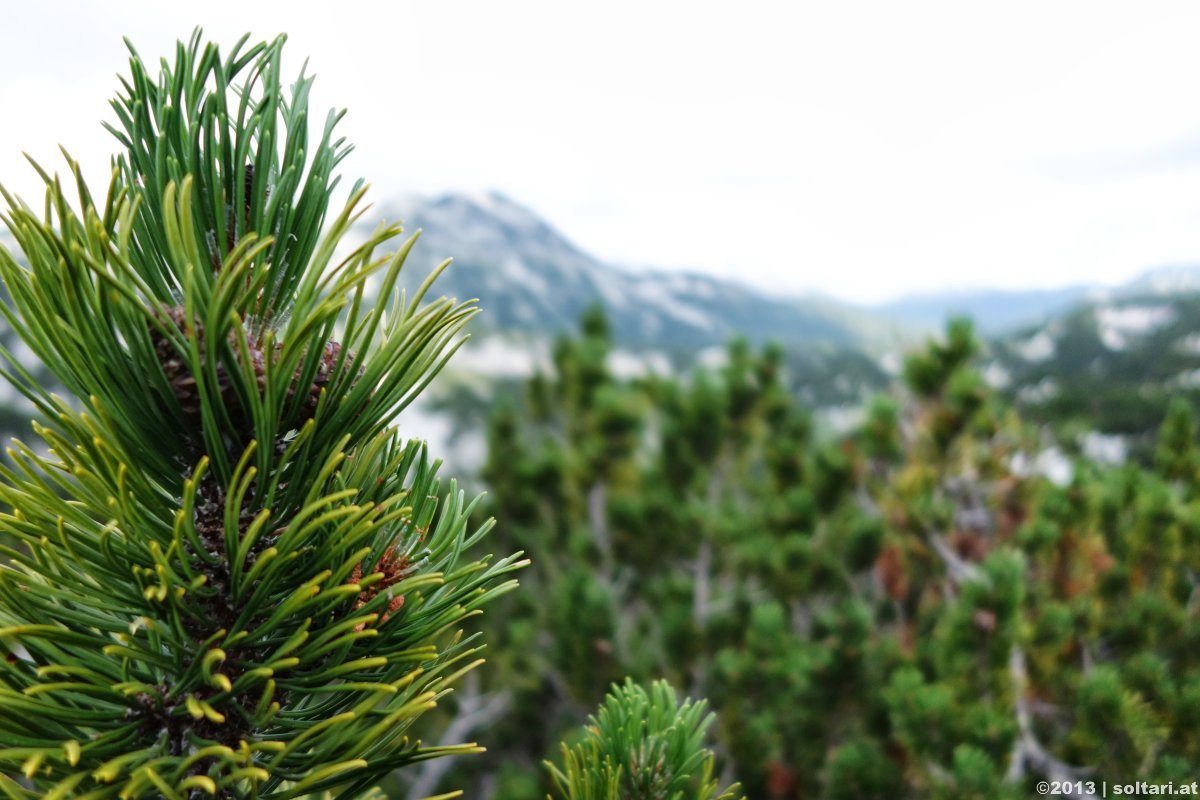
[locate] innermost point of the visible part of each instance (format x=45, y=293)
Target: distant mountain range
x=999, y=311
x=1105, y=356
x=531, y=280
x=995, y=311
x=1109, y=365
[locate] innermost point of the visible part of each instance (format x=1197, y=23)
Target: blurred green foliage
x=905, y=610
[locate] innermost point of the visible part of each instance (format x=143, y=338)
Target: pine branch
x=641, y=744
x=234, y=577
x=1027, y=750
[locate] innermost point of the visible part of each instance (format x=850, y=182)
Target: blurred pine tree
x=906, y=610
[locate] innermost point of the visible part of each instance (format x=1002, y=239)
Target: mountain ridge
x=494, y=238
x=531, y=279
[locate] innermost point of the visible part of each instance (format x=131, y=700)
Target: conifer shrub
x=231, y=575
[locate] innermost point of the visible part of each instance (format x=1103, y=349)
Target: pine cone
x=395, y=568
x=183, y=380
x=209, y=518
x=321, y=379
x=183, y=383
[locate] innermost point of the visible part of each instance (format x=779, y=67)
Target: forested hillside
x=1108, y=366
x=947, y=570
x=907, y=610
x=710, y=541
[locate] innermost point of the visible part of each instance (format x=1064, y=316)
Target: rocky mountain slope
x=999, y=312
x=1108, y=367
x=531, y=280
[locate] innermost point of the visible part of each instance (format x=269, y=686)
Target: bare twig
x=1028, y=752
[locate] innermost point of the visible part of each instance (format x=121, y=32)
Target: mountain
x=1177, y=279
x=1107, y=367
x=1105, y=359
x=994, y=311
x=531, y=280
x=997, y=312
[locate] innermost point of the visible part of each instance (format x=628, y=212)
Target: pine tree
x=904, y=610
x=643, y=745
x=232, y=576
x=1177, y=455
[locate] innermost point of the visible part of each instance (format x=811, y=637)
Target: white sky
x=861, y=149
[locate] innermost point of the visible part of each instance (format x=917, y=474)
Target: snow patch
x=625, y=364
x=1173, y=280
x=841, y=419
x=712, y=358
x=1038, y=348
x=1189, y=344
x=1116, y=325
x=659, y=295
x=498, y=358
x=1040, y=392
x=996, y=376
x=462, y=453
x=1104, y=448
x=516, y=271
x=696, y=286
x=1051, y=464
x=613, y=288
x=1113, y=339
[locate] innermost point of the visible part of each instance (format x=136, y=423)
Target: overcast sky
x=865, y=150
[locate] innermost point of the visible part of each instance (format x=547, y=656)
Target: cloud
x=866, y=149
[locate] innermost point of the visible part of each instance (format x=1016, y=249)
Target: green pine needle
x=642, y=744
x=232, y=577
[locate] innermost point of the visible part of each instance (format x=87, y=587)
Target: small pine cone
x=321, y=379
x=395, y=568
x=181, y=378
x=329, y=358
x=183, y=383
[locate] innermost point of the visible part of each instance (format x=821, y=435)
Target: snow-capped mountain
x=997, y=312
x=530, y=279
x=1166, y=280
x=1108, y=357
x=1109, y=366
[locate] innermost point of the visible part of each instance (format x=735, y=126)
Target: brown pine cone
x=183, y=383
x=321, y=379
x=182, y=379
x=329, y=358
